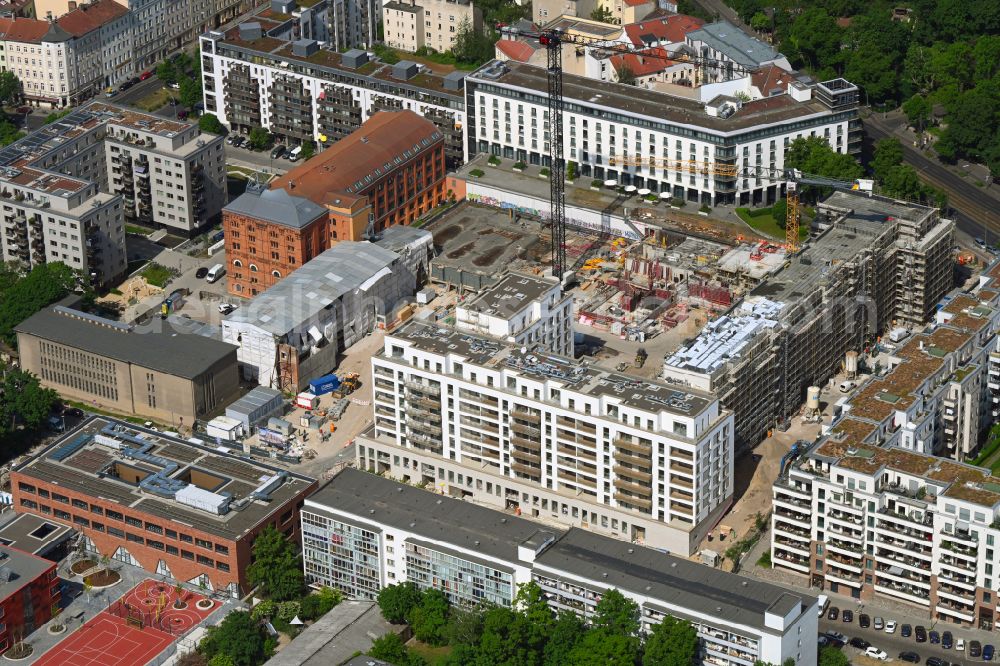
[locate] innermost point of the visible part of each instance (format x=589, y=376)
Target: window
x=98, y=527
x=80, y=520
x=134, y=538
x=187, y=555
x=171, y=534
x=222, y=566
x=134, y=522
x=114, y=515
x=186, y=538
x=219, y=548
x=25, y=502
x=237, y=263
x=96, y=509
x=26, y=488
x=253, y=268
x=158, y=545
x=59, y=513
x=114, y=531
x=155, y=529
x=172, y=550
x=80, y=504
x=207, y=561
x=60, y=498
x=276, y=274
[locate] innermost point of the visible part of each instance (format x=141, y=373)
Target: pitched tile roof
x=88, y=18
x=515, y=50
x=671, y=29
x=23, y=29
x=648, y=62
x=386, y=140
x=770, y=77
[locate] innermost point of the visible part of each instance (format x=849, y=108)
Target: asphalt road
x=976, y=213
x=893, y=644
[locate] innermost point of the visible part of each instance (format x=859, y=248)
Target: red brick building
x=169, y=506
x=390, y=171
x=29, y=590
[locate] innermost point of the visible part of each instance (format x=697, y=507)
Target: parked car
x=847, y=616
x=836, y=637
x=936, y=661
x=833, y=613
x=75, y=412
x=980, y=242
x=975, y=649
x=226, y=308
x=890, y=627
x=182, y=114
x=909, y=656
x=864, y=621
x=145, y=75
x=960, y=645
x=947, y=640
x=988, y=652
x=201, y=273
x=277, y=151
x=879, y=624
x=859, y=643
x=906, y=631
x=230, y=139
x=920, y=634
x=174, y=86
x=935, y=637
x=875, y=653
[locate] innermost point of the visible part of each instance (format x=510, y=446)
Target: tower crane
x=553, y=40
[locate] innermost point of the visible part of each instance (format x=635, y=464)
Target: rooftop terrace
x=172, y=478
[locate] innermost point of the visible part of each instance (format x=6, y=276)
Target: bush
x=264, y=610
x=572, y=171
x=704, y=209
x=544, y=171
x=595, y=183
x=386, y=54
x=477, y=173
x=494, y=160
x=520, y=165
x=319, y=604
x=287, y=610
x=397, y=601
x=677, y=202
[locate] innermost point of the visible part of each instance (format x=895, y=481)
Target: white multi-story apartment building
x=522, y=309
x=361, y=533
x=250, y=81
x=546, y=436
x=410, y=25
x=871, y=510
x=633, y=135
x=170, y=174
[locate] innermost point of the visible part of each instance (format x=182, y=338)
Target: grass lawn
x=157, y=275
x=765, y=223
x=133, y=266
x=132, y=229
x=154, y=100
x=432, y=655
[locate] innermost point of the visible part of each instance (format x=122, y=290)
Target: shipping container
x=306, y=400
x=323, y=385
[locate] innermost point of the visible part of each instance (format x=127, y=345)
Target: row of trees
x=946, y=55
x=530, y=633
x=184, y=71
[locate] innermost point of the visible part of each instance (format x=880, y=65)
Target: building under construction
x=878, y=264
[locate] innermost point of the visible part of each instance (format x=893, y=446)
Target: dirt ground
x=616, y=350
x=132, y=289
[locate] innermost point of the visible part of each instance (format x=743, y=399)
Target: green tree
x=10, y=87
x=888, y=154
x=167, y=72
x=56, y=115
x=24, y=402
x=567, y=631
x=392, y=649
x=672, y=642
x=815, y=40
x=831, y=656
x=627, y=77
x=917, y=111
x=760, y=22
x=319, y=603
x=973, y=123
x=616, y=613
x=239, y=637
x=9, y=133
x=44, y=285
x=190, y=92
x=221, y=659
x=429, y=618
x=600, y=647
x=276, y=568
x=471, y=46
x=779, y=211
x=308, y=150
x=602, y=14
x=398, y=601
x=260, y=138
x=210, y=123
x=813, y=155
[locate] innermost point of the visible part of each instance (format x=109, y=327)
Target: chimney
x=71, y=5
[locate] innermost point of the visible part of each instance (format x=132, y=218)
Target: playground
x=132, y=630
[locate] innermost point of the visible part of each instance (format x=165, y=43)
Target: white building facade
x=362, y=533
x=540, y=434
x=522, y=309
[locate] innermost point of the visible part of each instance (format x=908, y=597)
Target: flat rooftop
x=613, y=563
x=370, y=497
x=660, y=106
x=725, y=338
x=510, y=295
x=34, y=534
x=647, y=395
x=156, y=346
x=79, y=462
x=17, y=569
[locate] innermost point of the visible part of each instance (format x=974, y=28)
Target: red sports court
x=133, y=630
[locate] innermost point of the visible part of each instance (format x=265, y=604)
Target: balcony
x=528, y=417
x=853, y=580
x=525, y=456
x=955, y=594
x=791, y=560
x=845, y=546
x=631, y=486
x=633, y=446
x=678, y=467
x=791, y=515
x=623, y=498
x=528, y=431
x=524, y=442
x=527, y=470
x=422, y=388
x=903, y=591
x=426, y=403
x=580, y=453
x=633, y=473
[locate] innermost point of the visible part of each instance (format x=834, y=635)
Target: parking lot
x=905, y=637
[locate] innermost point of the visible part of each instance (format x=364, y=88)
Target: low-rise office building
x=546, y=436
x=29, y=594
x=294, y=331
x=154, y=371
x=522, y=309
x=174, y=508
x=361, y=533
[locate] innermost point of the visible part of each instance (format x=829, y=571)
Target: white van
x=824, y=602
x=294, y=153
x=215, y=272
x=846, y=387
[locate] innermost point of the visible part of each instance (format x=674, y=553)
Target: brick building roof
x=386, y=140
x=88, y=18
